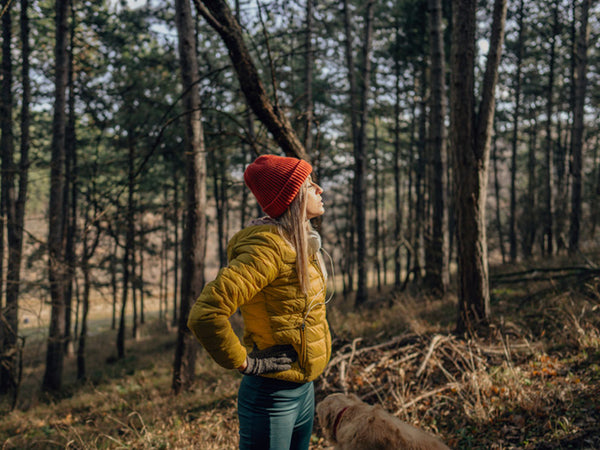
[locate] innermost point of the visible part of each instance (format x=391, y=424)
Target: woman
x=276, y=278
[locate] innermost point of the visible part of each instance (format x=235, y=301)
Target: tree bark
x=6, y=136
x=595, y=194
x=135, y=321
x=113, y=282
x=495, y=158
x=218, y=162
x=376, y=202
x=420, y=168
x=436, y=273
x=9, y=322
x=16, y=237
x=412, y=216
x=247, y=150
x=548, y=197
x=512, y=232
x=358, y=97
x=129, y=244
x=85, y=269
x=397, y=181
x=176, y=222
x=163, y=281
x=139, y=284
x=578, y=127
x=194, y=237
x=89, y=248
x=471, y=146
x=56, y=240
x=529, y=224
x=308, y=79
x=70, y=202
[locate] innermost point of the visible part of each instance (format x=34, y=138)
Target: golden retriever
x=351, y=424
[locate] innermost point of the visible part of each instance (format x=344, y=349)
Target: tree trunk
x=358, y=116
x=595, y=195
x=421, y=167
x=56, y=240
x=134, y=298
x=218, y=14
x=435, y=264
x=247, y=150
x=70, y=202
x=308, y=79
x=113, y=282
x=397, y=180
x=471, y=146
x=163, y=280
x=129, y=244
x=560, y=182
x=577, y=134
x=376, y=203
x=16, y=237
x=219, y=172
x=512, y=232
x=384, y=227
x=548, y=198
x=174, y=319
x=352, y=97
x=412, y=217
x=349, y=250
x=87, y=253
x=529, y=223
x=360, y=156
x=9, y=322
x=124, y=294
x=85, y=269
x=495, y=158
x=140, y=279
x=194, y=238
x=6, y=132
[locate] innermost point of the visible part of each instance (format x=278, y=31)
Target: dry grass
x=532, y=383
x=127, y=403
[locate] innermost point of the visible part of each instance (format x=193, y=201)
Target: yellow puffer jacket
x=261, y=280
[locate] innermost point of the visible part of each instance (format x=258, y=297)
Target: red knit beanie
x=275, y=181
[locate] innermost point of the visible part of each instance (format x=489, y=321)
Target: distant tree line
x=127, y=130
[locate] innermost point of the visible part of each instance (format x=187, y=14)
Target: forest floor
x=532, y=382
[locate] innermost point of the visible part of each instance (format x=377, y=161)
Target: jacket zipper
x=303, y=346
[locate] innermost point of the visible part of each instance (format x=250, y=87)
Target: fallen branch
x=434, y=342
x=397, y=368
x=544, y=274
x=427, y=395
x=396, y=341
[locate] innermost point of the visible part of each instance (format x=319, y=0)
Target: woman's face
x=314, y=204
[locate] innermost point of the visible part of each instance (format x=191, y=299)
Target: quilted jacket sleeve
x=255, y=262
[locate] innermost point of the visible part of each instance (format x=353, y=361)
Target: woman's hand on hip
x=269, y=360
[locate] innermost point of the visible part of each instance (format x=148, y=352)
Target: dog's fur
x=367, y=427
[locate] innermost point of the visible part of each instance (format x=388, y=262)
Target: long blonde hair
x=295, y=228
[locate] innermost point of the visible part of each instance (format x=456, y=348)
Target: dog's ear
x=326, y=416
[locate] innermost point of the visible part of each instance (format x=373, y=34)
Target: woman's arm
x=256, y=263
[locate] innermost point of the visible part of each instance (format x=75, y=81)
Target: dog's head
x=366, y=427
x=329, y=408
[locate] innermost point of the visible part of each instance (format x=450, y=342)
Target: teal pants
x=275, y=414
